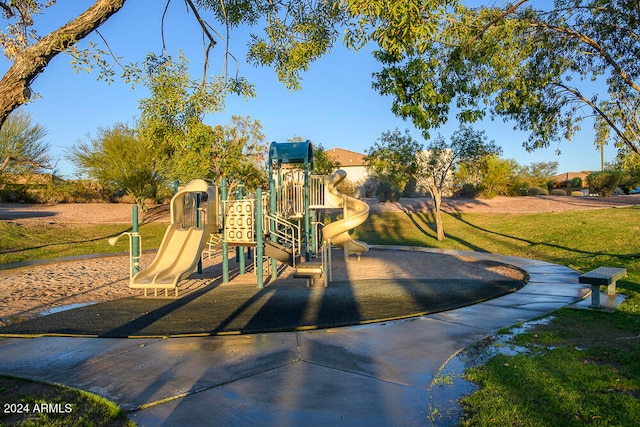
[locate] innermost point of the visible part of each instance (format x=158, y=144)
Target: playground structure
x=281, y=226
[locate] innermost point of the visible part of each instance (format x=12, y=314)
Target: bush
x=348, y=187
x=558, y=192
x=369, y=187
x=538, y=191
x=576, y=182
x=577, y=194
x=387, y=192
x=467, y=191
x=604, y=183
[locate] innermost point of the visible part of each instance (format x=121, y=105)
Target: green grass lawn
x=583, y=366
x=33, y=241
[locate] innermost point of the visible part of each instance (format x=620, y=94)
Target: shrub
x=538, y=191
x=387, y=192
x=348, y=187
x=577, y=194
x=576, y=182
x=369, y=187
x=467, y=191
x=558, y=192
x=604, y=183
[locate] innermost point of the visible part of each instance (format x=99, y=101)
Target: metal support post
x=225, y=245
x=135, y=249
x=259, y=238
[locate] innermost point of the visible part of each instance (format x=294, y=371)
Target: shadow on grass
x=71, y=242
x=619, y=257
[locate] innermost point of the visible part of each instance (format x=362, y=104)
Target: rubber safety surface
x=229, y=309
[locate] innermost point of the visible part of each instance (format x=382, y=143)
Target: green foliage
x=437, y=163
x=629, y=164
x=298, y=33
x=497, y=177
x=526, y=63
x=118, y=159
x=396, y=26
x=576, y=182
x=392, y=158
x=22, y=146
x=323, y=164
x=239, y=152
x=387, y=192
x=56, y=191
x=538, y=191
x=538, y=174
x=558, y=192
x=604, y=183
x=171, y=121
x=177, y=103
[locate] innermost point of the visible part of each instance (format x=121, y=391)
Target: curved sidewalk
x=379, y=374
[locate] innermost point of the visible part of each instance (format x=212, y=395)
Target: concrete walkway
x=378, y=374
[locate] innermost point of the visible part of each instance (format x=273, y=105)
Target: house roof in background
x=568, y=176
x=346, y=157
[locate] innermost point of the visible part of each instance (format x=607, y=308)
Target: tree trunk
x=15, y=84
x=437, y=198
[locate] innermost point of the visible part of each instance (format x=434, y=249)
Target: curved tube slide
x=355, y=213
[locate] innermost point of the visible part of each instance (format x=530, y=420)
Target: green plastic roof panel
x=291, y=152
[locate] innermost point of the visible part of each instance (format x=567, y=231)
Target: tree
x=436, y=164
x=605, y=182
x=392, y=160
x=296, y=34
x=22, y=146
x=629, y=164
x=171, y=118
x=531, y=65
x=118, y=159
x=497, y=176
x=323, y=164
x=32, y=53
x=240, y=152
x=540, y=174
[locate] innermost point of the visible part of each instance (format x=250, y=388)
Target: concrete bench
x=602, y=276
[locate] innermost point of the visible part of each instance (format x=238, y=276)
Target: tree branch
x=493, y=22
x=597, y=47
x=15, y=84
x=575, y=92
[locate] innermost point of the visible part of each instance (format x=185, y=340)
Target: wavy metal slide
x=355, y=213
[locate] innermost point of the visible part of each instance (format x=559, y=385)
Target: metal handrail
x=286, y=232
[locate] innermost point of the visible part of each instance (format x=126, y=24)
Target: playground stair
x=308, y=270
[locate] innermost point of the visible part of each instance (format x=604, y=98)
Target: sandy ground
x=27, y=291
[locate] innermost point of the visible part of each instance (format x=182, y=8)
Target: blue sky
x=336, y=107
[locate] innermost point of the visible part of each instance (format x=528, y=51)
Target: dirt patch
x=116, y=213
x=81, y=213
